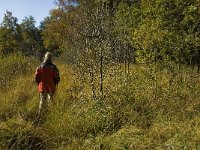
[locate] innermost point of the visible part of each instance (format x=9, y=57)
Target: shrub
x=13, y=65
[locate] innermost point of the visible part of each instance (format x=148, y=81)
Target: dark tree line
x=127, y=30
x=132, y=30
x=122, y=31
x=25, y=37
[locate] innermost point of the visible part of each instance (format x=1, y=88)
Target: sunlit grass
x=131, y=115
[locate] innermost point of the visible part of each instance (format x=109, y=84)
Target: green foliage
x=31, y=42
x=24, y=37
x=12, y=66
x=8, y=41
x=9, y=22
x=164, y=30
x=9, y=34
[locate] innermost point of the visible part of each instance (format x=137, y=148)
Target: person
x=47, y=77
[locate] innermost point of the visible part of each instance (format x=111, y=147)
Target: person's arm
x=57, y=76
x=37, y=80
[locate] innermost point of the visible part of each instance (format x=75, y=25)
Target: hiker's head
x=48, y=57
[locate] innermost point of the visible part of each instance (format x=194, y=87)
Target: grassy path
x=130, y=118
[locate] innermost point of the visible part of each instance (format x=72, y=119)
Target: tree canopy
x=124, y=30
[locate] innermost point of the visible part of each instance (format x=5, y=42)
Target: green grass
x=132, y=115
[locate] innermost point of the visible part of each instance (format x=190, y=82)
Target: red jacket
x=47, y=77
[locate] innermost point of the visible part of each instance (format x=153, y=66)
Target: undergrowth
x=137, y=112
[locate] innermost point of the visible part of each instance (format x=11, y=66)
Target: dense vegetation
x=129, y=76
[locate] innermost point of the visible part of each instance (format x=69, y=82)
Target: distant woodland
x=110, y=31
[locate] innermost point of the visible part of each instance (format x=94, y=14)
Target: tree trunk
x=101, y=72
x=91, y=72
x=198, y=60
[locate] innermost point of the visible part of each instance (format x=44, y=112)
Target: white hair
x=48, y=57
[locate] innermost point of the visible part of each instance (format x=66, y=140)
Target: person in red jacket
x=47, y=78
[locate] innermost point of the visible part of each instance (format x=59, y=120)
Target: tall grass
x=135, y=115
x=11, y=66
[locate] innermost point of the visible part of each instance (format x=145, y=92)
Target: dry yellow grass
x=128, y=117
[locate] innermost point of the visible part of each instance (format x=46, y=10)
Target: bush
x=13, y=65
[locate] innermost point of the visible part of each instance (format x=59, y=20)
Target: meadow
x=151, y=108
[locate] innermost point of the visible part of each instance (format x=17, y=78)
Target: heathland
x=147, y=108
